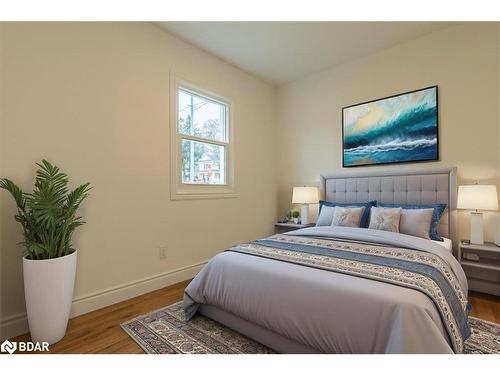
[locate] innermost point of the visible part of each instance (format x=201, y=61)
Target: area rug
x=165, y=331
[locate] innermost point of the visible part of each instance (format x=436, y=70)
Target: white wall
x=94, y=99
x=464, y=61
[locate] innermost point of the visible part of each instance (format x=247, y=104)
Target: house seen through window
x=202, y=124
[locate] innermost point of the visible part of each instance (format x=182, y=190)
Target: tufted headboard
x=405, y=186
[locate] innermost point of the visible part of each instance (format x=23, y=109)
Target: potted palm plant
x=48, y=217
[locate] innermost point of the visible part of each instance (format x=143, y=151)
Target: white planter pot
x=48, y=289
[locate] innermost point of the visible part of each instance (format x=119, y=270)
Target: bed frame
x=401, y=185
x=415, y=186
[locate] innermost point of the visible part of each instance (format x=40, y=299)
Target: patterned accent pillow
x=347, y=216
x=385, y=218
x=327, y=217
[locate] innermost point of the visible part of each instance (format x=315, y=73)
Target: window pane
x=202, y=163
x=201, y=117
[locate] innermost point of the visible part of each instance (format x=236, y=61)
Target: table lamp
x=305, y=195
x=477, y=197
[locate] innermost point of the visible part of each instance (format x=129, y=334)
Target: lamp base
x=497, y=231
x=476, y=228
x=304, y=214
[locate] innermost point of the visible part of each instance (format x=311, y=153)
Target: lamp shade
x=305, y=195
x=477, y=197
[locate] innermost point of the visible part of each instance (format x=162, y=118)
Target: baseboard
x=90, y=302
x=13, y=325
x=16, y=325
x=484, y=286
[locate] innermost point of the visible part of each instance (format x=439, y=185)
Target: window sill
x=224, y=193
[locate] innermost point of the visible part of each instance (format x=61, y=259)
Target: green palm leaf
x=48, y=214
x=14, y=190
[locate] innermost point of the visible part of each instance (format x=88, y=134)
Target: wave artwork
x=397, y=129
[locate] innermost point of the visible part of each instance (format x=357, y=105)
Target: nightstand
x=481, y=264
x=287, y=227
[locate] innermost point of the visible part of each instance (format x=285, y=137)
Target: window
x=202, y=147
x=202, y=126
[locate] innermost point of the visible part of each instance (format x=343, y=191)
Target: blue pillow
x=436, y=215
x=366, y=212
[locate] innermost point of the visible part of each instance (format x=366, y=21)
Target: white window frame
x=178, y=189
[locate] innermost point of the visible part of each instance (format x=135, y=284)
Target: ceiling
x=281, y=52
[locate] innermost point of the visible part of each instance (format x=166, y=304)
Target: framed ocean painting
x=401, y=128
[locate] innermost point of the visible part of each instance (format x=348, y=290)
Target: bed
x=346, y=290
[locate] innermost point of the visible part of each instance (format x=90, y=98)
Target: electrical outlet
x=163, y=252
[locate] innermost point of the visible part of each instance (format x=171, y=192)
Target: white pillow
x=325, y=216
x=347, y=216
x=416, y=222
x=385, y=218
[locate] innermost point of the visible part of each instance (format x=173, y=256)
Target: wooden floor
x=100, y=332
x=485, y=306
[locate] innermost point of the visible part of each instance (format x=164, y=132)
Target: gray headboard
x=405, y=186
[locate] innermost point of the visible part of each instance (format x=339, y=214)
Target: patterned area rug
x=165, y=331
x=485, y=338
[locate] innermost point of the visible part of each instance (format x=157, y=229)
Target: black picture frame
x=437, y=158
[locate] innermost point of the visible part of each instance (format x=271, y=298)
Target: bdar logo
x=9, y=347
